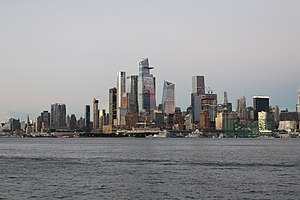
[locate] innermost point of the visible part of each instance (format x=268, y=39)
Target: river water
x=145, y=168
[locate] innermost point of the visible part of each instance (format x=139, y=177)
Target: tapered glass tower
x=168, y=98
x=146, y=89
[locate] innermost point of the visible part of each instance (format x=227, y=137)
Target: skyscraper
x=146, y=89
x=45, y=119
x=132, y=92
x=112, y=106
x=198, y=89
x=168, y=98
x=198, y=85
x=87, y=122
x=260, y=103
x=58, y=116
x=121, y=94
x=298, y=102
x=241, y=108
x=95, y=115
x=72, y=124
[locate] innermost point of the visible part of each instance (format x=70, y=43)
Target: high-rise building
x=260, y=103
x=132, y=93
x=58, y=116
x=241, y=108
x=168, y=98
x=87, y=122
x=112, y=106
x=225, y=98
x=45, y=119
x=198, y=89
x=209, y=103
x=298, y=102
x=95, y=115
x=121, y=94
x=198, y=85
x=264, y=122
x=146, y=89
x=72, y=124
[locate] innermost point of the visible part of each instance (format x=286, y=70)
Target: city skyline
x=69, y=52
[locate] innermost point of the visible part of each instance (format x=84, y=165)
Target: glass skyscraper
x=121, y=94
x=146, y=89
x=168, y=98
x=198, y=90
x=58, y=116
x=132, y=92
x=260, y=103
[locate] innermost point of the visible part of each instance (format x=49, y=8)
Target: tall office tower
x=168, y=98
x=260, y=103
x=58, y=116
x=95, y=114
x=146, y=89
x=132, y=92
x=198, y=89
x=112, y=106
x=241, y=108
x=209, y=103
x=45, y=119
x=298, y=102
x=87, y=122
x=225, y=98
x=198, y=85
x=121, y=94
x=72, y=124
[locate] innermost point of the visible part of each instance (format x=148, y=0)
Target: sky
x=69, y=51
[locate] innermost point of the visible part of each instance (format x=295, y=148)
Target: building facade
x=132, y=93
x=121, y=96
x=95, y=115
x=260, y=103
x=168, y=98
x=58, y=116
x=146, y=89
x=87, y=122
x=198, y=90
x=112, y=106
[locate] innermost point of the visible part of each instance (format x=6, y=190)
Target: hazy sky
x=70, y=51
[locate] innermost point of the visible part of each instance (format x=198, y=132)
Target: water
x=127, y=168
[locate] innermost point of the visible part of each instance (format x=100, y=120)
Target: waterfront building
x=204, y=120
x=45, y=119
x=58, y=116
x=188, y=122
x=112, y=106
x=275, y=115
x=241, y=108
x=168, y=98
x=260, y=103
x=209, y=102
x=198, y=89
x=264, y=122
x=159, y=118
x=225, y=121
x=87, y=122
x=121, y=96
x=132, y=93
x=298, y=102
x=95, y=115
x=146, y=89
x=289, y=121
x=72, y=124
x=38, y=124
